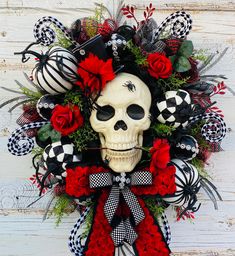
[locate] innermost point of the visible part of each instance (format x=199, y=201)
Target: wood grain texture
x=213, y=232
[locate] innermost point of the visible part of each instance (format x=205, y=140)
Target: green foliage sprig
x=37, y=151
x=163, y=130
x=34, y=96
x=140, y=58
x=82, y=136
x=63, y=41
x=74, y=97
x=172, y=83
x=88, y=223
x=196, y=132
x=201, y=55
x=63, y=206
x=154, y=207
x=199, y=164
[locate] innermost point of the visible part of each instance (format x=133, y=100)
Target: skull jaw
x=122, y=161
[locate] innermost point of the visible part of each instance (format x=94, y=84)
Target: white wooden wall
x=22, y=232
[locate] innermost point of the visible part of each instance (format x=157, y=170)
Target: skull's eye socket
x=135, y=112
x=104, y=113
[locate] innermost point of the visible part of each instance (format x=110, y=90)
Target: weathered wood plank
x=211, y=29
x=207, y=5
x=213, y=232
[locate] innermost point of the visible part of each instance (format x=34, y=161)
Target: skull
x=121, y=116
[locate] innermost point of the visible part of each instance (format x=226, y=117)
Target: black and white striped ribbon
x=75, y=244
x=214, y=130
x=166, y=227
x=45, y=35
x=180, y=24
x=19, y=144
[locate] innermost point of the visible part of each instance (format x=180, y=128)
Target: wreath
x=124, y=123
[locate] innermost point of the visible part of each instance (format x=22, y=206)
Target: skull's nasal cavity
x=120, y=125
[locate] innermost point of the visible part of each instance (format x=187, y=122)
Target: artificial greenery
x=47, y=131
x=37, y=151
x=83, y=136
x=199, y=164
x=196, y=129
x=88, y=223
x=163, y=130
x=34, y=96
x=140, y=59
x=154, y=207
x=64, y=205
x=172, y=83
x=200, y=55
x=63, y=41
x=180, y=61
x=91, y=22
x=74, y=97
x=196, y=132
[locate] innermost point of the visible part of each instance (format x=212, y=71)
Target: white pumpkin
x=55, y=70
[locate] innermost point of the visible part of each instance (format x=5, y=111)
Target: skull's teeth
x=121, y=146
x=121, y=154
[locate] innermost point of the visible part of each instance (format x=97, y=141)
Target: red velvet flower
x=77, y=180
x=66, y=119
x=159, y=66
x=95, y=73
x=160, y=153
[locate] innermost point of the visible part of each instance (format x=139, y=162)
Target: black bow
x=124, y=230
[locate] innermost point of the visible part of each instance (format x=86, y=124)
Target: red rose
x=66, y=119
x=160, y=153
x=95, y=73
x=159, y=66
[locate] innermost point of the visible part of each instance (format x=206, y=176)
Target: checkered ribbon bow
x=124, y=229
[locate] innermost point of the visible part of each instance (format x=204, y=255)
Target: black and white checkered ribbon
x=124, y=230
x=75, y=244
x=180, y=24
x=45, y=35
x=214, y=130
x=19, y=144
x=166, y=227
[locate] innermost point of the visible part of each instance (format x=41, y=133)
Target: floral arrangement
x=124, y=121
